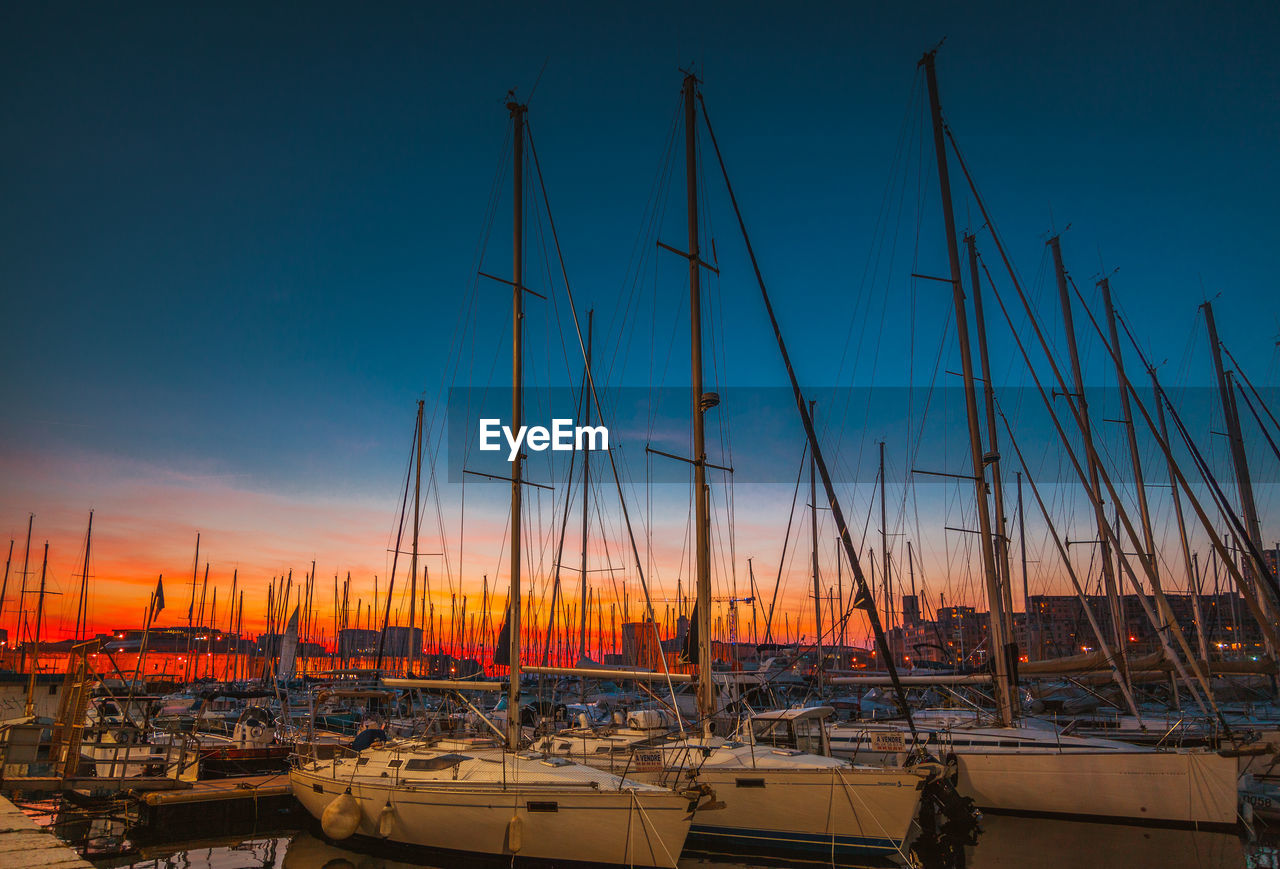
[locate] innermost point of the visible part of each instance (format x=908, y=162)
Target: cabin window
x=431, y=764
x=750, y=782
x=808, y=735
x=772, y=732
x=362, y=761
x=394, y=763
x=542, y=807
x=317, y=788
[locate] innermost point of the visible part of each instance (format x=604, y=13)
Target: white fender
x=515, y=834
x=386, y=820
x=341, y=818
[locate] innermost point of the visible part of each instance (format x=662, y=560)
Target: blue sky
x=240, y=239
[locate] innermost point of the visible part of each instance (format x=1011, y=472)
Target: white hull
x=1041, y=772
x=776, y=803
x=848, y=812
x=555, y=822
x=1171, y=787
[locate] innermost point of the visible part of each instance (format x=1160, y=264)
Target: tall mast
x=1192, y=568
x=22, y=596
x=702, y=609
x=1032, y=618
x=1126, y=411
x=81, y=611
x=517, y=111
x=586, y=489
x=231, y=622
x=1001, y=540
x=1119, y=634
x=4, y=586
x=840, y=661
x=884, y=550
x=413, y=558
x=35, y=655
x=191, y=607
x=999, y=644
x=1139, y=481
x=1244, y=483
x=239, y=634
x=817, y=583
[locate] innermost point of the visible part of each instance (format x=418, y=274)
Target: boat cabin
x=796, y=729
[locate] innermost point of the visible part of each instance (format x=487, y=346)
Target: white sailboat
x=778, y=792
x=1040, y=770
x=475, y=796
x=1020, y=769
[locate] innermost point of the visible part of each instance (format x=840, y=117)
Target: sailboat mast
x=702, y=609
x=1244, y=484
x=1139, y=483
x=998, y=645
x=35, y=655
x=1126, y=415
x=586, y=489
x=1031, y=618
x=81, y=611
x=1193, y=570
x=840, y=614
x=1001, y=541
x=1119, y=633
x=191, y=607
x=884, y=551
x=22, y=597
x=413, y=558
x=517, y=111
x=817, y=582
x=4, y=586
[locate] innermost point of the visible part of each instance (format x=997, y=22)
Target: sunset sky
x=241, y=241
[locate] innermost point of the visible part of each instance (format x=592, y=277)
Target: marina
x=726, y=514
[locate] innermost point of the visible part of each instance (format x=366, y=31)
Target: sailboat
x=778, y=792
x=477, y=796
x=1011, y=766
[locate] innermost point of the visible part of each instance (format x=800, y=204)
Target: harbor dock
x=23, y=845
x=218, y=801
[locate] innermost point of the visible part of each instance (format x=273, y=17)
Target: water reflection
x=1040, y=843
x=308, y=852
x=1005, y=843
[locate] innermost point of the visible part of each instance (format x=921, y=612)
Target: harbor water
x=1004, y=842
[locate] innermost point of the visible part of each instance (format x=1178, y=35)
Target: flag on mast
x=157, y=600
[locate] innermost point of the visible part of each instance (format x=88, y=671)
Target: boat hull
x=1195, y=789
x=798, y=813
x=634, y=828
x=1044, y=773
